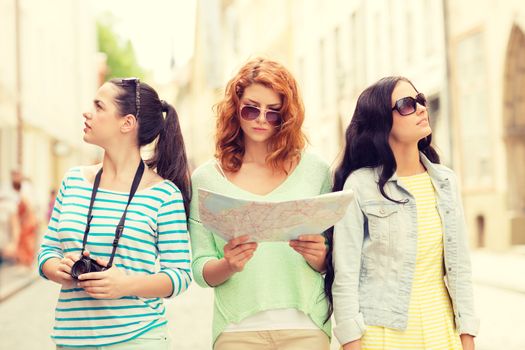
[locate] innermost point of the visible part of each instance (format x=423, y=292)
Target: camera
x=85, y=265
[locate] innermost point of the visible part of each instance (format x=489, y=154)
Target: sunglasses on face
x=408, y=105
x=252, y=112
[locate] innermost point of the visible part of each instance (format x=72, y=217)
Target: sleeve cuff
x=43, y=261
x=468, y=325
x=350, y=330
x=167, y=273
x=180, y=280
x=198, y=267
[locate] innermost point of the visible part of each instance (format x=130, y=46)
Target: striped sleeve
x=173, y=243
x=51, y=247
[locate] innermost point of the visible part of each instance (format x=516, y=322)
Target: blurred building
x=334, y=52
x=487, y=56
x=339, y=50
x=468, y=57
x=227, y=34
x=48, y=75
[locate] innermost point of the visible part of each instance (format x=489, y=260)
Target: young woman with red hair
x=268, y=295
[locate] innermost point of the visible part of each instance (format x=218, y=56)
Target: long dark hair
x=169, y=157
x=366, y=146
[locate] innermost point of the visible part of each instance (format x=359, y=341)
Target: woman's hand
x=237, y=252
x=62, y=273
x=109, y=284
x=467, y=341
x=353, y=345
x=313, y=249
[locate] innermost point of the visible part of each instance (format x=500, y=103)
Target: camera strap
x=120, y=226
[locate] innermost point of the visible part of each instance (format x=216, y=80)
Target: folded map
x=271, y=221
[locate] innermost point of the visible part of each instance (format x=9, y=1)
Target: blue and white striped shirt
x=155, y=239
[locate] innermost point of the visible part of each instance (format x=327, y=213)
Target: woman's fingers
x=64, y=267
x=316, y=242
x=312, y=238
x=310, y=257
x=235, y=248
x=308, y=245
x=63, y=275
x=246, y=257
x=96, y=290
x=99, y=295
x=67, y=261
x=232, y=243
x=238, y=258
x=240, y=254
x=93, y=283
x=238, y=251
x=242, y=248
x=313, y=252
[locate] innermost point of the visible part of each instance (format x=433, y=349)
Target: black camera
x=85, y=265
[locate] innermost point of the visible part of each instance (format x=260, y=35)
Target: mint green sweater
x=277, y=276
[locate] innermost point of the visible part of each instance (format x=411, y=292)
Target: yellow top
x=430, y=316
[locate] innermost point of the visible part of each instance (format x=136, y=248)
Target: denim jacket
x=374, y=254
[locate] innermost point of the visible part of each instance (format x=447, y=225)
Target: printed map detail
x=271, y=221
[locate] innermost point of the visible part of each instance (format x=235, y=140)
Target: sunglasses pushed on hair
x=252, y=112
x=408, y=105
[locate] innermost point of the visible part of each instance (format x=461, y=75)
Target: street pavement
x=14, y=278
x=26, y=317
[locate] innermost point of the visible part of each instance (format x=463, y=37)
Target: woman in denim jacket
x=398, y=270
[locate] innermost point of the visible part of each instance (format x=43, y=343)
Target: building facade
x=339, y=50
x=227, y=34
x=47, y=78
x=487, y=56
x=468, y=57
x=334, y=52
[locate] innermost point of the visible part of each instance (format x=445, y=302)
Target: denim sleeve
x=348, y=241
x=466, y=320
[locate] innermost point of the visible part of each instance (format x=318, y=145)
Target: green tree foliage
x=121, y=59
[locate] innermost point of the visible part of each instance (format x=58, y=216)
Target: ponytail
x=169, y=157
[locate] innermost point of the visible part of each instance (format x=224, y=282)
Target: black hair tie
x=165, y=106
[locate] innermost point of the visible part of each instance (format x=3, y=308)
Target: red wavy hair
x=287, y=143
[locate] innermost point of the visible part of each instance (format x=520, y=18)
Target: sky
x=158, y=30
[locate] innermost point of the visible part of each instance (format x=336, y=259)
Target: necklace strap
x=120, y=226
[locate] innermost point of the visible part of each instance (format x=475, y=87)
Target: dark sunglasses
x=136, y=82
x=408, y=105
x=252, y=112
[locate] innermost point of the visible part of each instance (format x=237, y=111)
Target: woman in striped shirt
x=122, y=306
x=404, y=234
